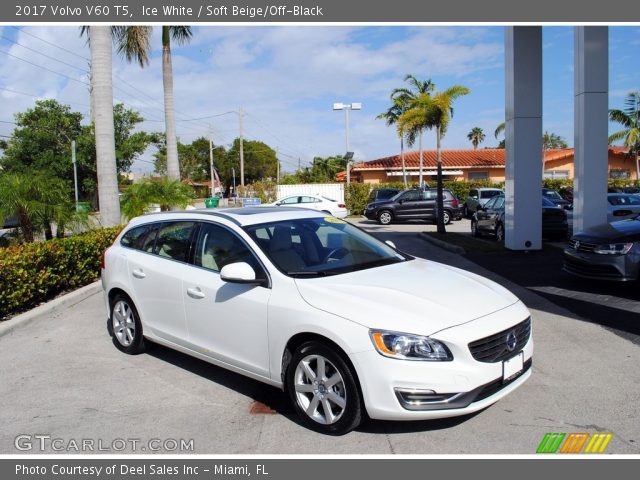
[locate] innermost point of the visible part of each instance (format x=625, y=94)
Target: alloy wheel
x=124, y=324
x=320, y=389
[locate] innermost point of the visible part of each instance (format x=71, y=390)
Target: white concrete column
x=523, y=134
x=591, y=80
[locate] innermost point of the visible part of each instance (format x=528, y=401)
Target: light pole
x=346, y=107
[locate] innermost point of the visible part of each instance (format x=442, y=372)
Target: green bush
x=36, y=272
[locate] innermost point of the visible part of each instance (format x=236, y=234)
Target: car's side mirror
x=240, y=272
x=401, y=201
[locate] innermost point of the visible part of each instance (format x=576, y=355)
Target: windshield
x=551, y=194
x=313, y=247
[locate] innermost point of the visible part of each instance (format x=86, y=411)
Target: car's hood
x=620, y=231
x=416, y=296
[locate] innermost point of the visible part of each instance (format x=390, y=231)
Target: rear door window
x=174, y=240
x=134, y=238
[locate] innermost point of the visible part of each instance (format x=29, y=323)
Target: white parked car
x=621, y=206
x=316, y=202
x=311, y=304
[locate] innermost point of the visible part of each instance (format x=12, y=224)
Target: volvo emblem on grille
x=576, y=245
x=512, y=341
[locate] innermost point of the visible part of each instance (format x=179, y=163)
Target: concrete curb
x=66, y=300
x=444, y=245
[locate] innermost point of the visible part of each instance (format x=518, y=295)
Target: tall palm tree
x=134, y=44
x=180, y=35
x=432, y=111
x=629, y=118
x=499, y=130
x=476, y=137
x=102, y=105
x=551, y=141
x=398, y=107
x=407, y=96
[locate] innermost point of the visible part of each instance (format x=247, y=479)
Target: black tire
x=499, y=232
x=349, y=416
x=125, y=327
x=385, y=217
x=474, y=228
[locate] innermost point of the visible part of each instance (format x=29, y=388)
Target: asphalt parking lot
x=62, y=377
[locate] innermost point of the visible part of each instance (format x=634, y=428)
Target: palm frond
x=133, y=43
x=499, y=129
x=181, y=34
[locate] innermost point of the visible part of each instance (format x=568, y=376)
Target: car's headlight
x=613, y=248
x=405, y=346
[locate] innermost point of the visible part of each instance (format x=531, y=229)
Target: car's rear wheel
x=126, y=328
x=474, y=228
x=500, y=232
x=323, y=389
x=446, y=217
x=385, y=217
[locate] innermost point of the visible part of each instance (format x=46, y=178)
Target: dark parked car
x=490, y=219
x=610, y=251
x=10, y=222
x=630, y=190
x=379, y=194
x=478, y=197
x=556, y=198
x=413, y=204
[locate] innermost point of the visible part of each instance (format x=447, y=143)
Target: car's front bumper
x=620, y=268
x=464, y=384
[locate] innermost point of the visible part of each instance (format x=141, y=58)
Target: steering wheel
x=340, y=250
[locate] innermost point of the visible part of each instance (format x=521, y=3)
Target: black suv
x=413, y=204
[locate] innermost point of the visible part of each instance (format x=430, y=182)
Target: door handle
x=195, y=292
x=138, y=273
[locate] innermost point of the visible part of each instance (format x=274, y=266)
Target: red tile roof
x=456, y=159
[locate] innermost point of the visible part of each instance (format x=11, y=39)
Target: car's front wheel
x=323, y=389
x=385, y=217
x=446, y=217
x=125, y=326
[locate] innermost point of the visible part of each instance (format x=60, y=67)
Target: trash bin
x=211, y=202
x=84, y=207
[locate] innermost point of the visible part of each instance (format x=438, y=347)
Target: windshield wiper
x=310, y=273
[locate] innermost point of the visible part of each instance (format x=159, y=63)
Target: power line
x=44, y=68
x=49, y=43
x=45, y=55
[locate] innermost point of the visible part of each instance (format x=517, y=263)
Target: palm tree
x=102, y=112
x=147, y=192
x=476, y=136
x=629, y=118
x=391, y=116
x=429, y=111
x=551, y=141
x=500, y=129
x=133, y=43
x=407, y=96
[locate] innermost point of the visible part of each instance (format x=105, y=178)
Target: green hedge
x=36, y=272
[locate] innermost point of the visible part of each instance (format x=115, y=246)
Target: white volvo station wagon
x=312, y=304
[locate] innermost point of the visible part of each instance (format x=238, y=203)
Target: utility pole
x=241, y=115
x=233, y=172
x=211, y=164
x=75, y=170
x=277, y=168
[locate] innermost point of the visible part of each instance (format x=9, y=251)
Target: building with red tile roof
x=486, y=164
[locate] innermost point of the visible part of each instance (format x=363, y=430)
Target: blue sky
x=286, y=79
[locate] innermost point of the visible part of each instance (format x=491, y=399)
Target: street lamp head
x=338, y=106
x=356, y=106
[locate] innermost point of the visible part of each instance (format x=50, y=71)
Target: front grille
x=494, y=348
x=585, y=269
x=581, y=246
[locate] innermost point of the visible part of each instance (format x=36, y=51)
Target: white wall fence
x=334, y=191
